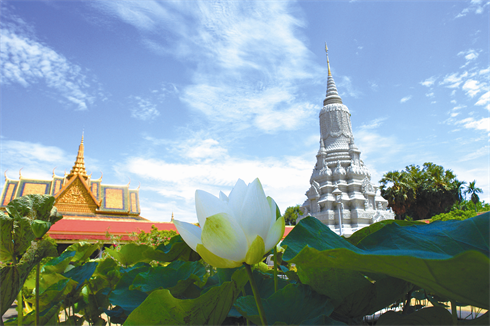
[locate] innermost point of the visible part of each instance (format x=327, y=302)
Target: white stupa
x=341, y=193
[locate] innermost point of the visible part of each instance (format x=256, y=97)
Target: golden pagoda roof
x=79, y=165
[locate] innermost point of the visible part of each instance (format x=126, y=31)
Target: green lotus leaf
x=357, y=236
x=83, y=250
x=210, y=308
x=175, y=249
x=291, y=305
x=130, y=254
x=176, y=277
x=437, y=257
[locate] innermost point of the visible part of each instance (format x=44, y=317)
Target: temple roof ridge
x=79, y=165
x=332, y=95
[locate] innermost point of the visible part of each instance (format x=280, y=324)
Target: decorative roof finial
x=172, y=219
x=79, y=165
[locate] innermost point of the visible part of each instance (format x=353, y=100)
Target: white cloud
x=374, y=85
x=406, y=98
x=475, y=6
x=471, y=87
x=469, y=55
x=201, y=149
x=484, y=71
x=284, y=179
x=471, y=123
x=429, y=81
x=26, y=61
x=143, y=109
x=373, y=124
x=484, y=100
x=36, y=160
x=453, y=80
x=345, y=84
x=240, y=79
x=484, y=151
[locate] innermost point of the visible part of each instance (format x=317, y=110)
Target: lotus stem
x=20, y=308
x=454, y=312
x=38, y=270
x=258, y=301
x=275, y=269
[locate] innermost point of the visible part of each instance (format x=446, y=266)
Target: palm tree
x=473, y=192
x=397, y=188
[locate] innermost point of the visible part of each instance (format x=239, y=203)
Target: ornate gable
x=76, y=197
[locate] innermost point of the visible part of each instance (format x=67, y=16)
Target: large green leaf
x=83, y=250
x=6, y=243
x=437, y=239
x=357, y=236
x=35, y=207
x=48, y=316
x=265, y=284
x=176, y=277
x=54, y=293
x=81, y=273
x=175, y=249
x=291, y=305
x=130, y=254
x=378, y=293
x=437, y=257
x=211, y=308
x=16, y=236
x=122, y=296
x=58, y=264
x=15, y=226
x=12, y=277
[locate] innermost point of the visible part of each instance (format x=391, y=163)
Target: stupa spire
x=79, y=165
x=332, y=93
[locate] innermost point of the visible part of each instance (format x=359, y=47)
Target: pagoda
x=90, y=208
x=341, y=194
x=77, y=194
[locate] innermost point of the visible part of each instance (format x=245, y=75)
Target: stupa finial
x=332, y=95
x=328, y=62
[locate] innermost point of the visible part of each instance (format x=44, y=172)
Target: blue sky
x=186, y=95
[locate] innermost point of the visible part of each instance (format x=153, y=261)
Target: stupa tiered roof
x=341, y=193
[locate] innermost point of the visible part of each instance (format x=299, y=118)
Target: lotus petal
x=189, y=232
x=256, y=252
x=214, y=260
x=223, y=237
x=255, y=215
x=237, y=195
x=208, y=205
x=275, y=234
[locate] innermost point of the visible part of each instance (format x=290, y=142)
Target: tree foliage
x=457, y=214
x=155, y=237
x=472, y=190
x=421, y=192
x=291, y=215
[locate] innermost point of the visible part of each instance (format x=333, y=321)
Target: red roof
x=95, y=229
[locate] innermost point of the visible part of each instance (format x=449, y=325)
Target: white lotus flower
x=234, y=230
